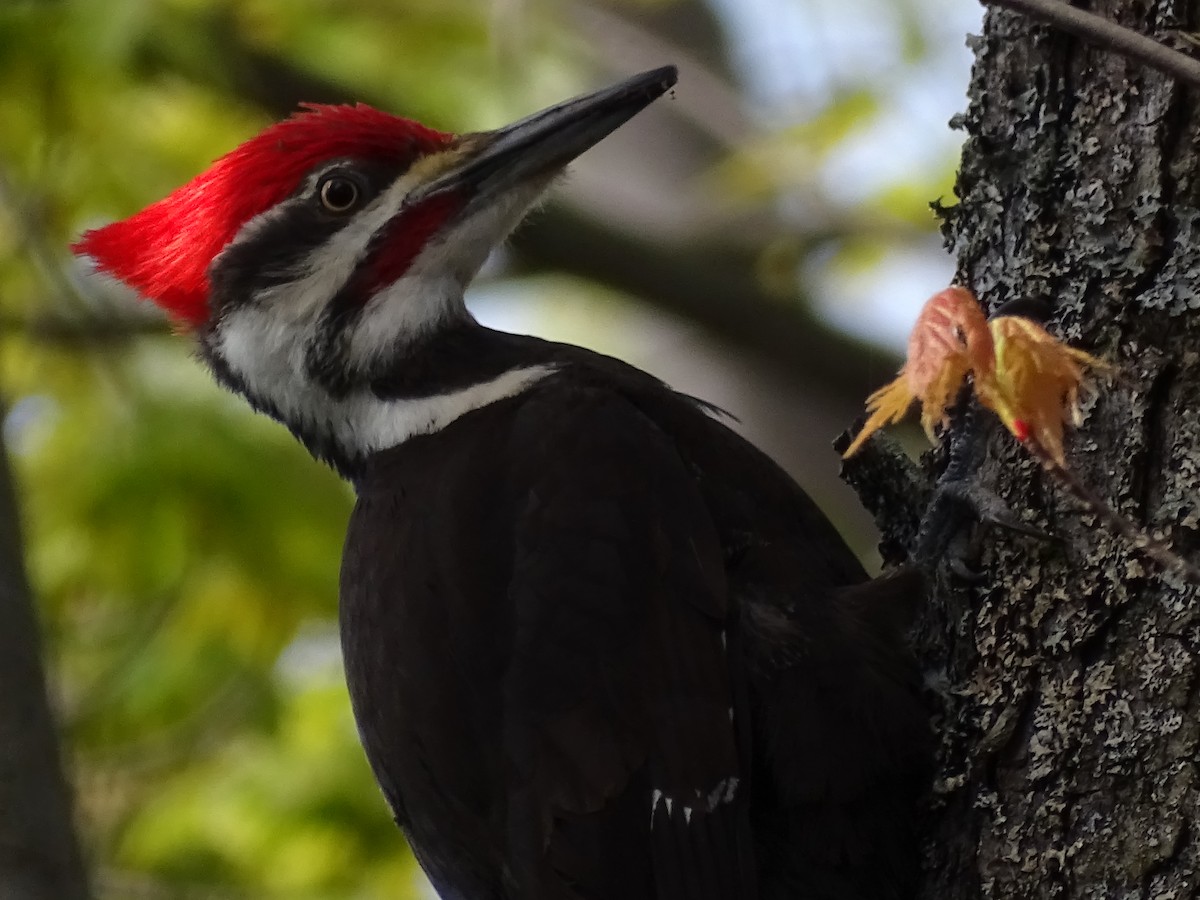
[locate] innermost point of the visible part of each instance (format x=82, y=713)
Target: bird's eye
x=338, y=194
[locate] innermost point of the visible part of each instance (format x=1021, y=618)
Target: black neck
x=462, y=355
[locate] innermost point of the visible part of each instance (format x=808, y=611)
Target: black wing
x=619, y=709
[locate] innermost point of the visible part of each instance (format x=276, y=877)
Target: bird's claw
x=991, y=509
x=957, y=503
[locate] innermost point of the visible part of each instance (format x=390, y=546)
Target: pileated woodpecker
x=598, y=646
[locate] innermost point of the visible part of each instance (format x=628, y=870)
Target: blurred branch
x=716, y=288
x=74, y=316
x=39, y=856
x=693, y=24
x=32, y=241
x=1109, y=36
x=722, y=295
x=81, y=331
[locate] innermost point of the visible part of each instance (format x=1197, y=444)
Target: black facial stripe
x=326, y=358
x=273, y=256
x=277, y=252
x=460, y=355
x=327, y=355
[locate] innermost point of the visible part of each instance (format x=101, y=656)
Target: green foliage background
x=184, y=551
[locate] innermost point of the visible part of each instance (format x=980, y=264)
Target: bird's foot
x=947, y=532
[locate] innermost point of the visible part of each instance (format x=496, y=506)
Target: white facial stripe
x=264, y=342
x=262, y=348
x=329, y=267
x=399, y=314
x=431, y=291
x=371, y=424
x=334, y=262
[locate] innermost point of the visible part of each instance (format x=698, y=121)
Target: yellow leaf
x=1035, y=385
x=886, y=405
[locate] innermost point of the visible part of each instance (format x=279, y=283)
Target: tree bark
x=1066, y=677
x=39, y=854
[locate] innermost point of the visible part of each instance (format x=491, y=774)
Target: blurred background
x=761, y=238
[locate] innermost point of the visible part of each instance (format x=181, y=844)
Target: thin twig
x=1109, y=35
x=1138, y=537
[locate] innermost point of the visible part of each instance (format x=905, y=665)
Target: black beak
x=546, y=141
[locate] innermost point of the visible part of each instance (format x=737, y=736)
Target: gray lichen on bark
x=1069, y=715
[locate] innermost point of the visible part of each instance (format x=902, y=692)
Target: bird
x=597, y=644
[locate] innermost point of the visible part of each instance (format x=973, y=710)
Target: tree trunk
x=1069, y=715
x=39, y=855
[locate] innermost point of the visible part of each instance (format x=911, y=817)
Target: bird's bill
x=541, y=144
x=471, y=194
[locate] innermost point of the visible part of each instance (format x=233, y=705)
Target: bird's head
x=313, y=257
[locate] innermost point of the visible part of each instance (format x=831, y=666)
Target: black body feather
x=601, y=647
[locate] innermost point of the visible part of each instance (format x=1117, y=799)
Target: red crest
x=164, y=251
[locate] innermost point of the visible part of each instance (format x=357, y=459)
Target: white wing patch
x=723, y=792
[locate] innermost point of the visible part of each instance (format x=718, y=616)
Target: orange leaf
x=1025, y=375
x=949, y=341
x=951, y=330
